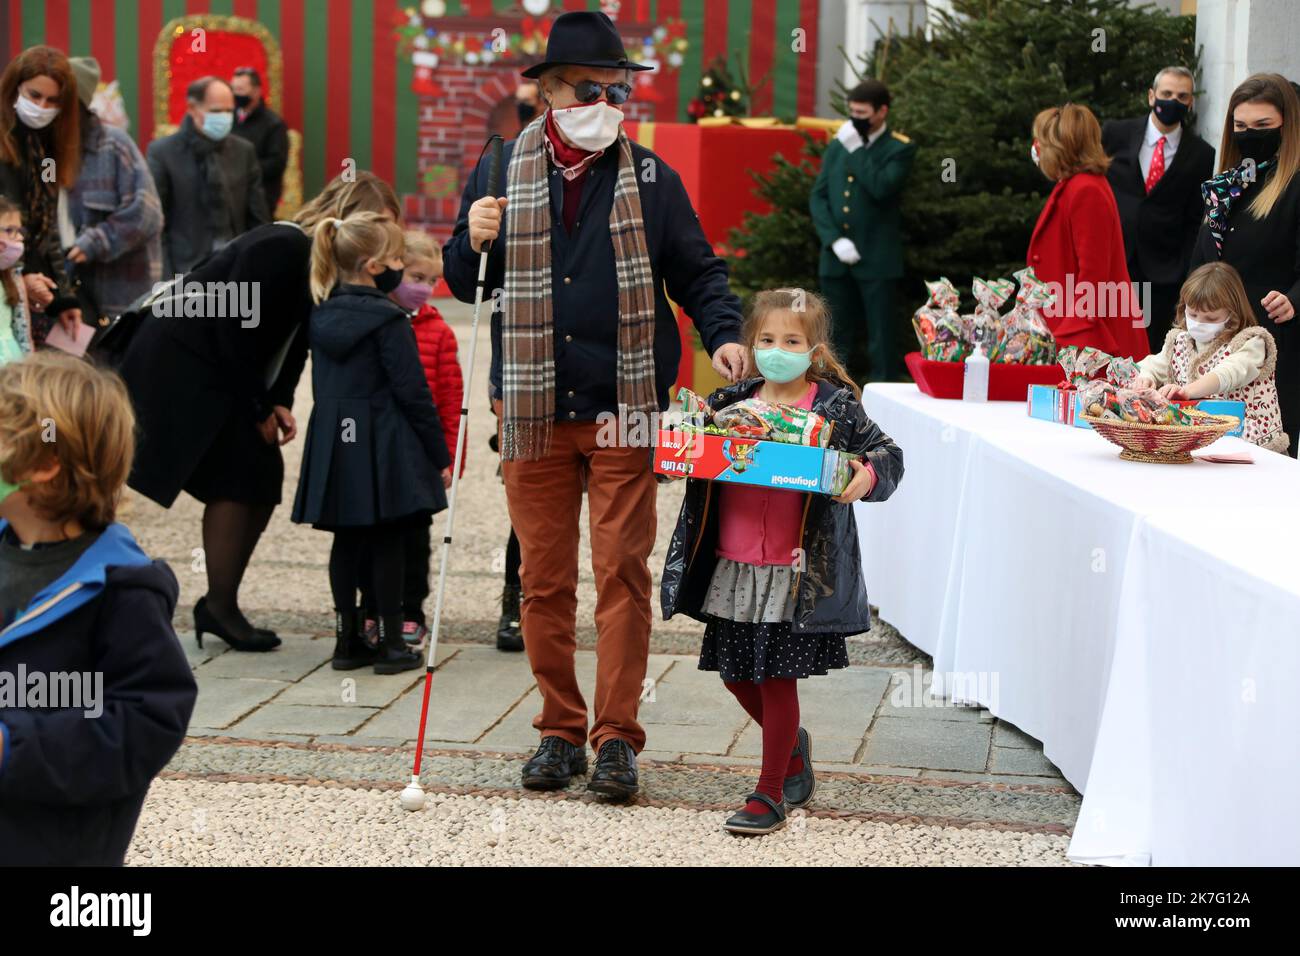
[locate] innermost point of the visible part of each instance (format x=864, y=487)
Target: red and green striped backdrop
x=342, y=69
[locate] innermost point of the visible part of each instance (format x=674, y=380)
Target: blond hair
x=344, y=195
x=1214, y=286
x=420, y=245
x=1276, y=90
x=1069, y=142
x=814, y=317
x=56, y=408
x=340, y=248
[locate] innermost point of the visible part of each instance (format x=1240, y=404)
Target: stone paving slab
x=293, y=660
x=326, y=687
x=515, y=729
x=899, y=741
x=1020, y=760
x=469, y=694
x=224, y=700
x=278, y=718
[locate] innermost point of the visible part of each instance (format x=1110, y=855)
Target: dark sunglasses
x=588, y=91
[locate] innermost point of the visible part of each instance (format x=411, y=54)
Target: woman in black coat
x=375, y=457
x=40, y=130
x=1253, y=219
x=213, y=392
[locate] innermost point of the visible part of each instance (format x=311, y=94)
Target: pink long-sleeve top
x=761, y=525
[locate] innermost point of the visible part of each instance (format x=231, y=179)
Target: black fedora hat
x=584, y=38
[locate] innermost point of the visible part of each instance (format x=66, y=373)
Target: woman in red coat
x=1078, y=245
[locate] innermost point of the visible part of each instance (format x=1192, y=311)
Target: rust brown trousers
x=545, y=502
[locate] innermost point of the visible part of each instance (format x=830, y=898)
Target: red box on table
x=1008, y=382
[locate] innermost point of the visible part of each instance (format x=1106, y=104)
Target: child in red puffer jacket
x=437, y=344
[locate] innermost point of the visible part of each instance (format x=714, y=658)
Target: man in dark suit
x=264, y=128
x=208, y=181
x=1156, y=172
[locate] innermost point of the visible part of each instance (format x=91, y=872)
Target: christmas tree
x=779, y=248
x=720, y=94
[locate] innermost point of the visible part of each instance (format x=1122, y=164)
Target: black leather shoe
x=798, y=790
x=755, y=824
x=554, y=763
x=247, y=638
x=615, y=773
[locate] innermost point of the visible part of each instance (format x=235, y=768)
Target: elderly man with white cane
x=598, y=233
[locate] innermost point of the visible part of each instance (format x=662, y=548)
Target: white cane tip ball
x=413, y=798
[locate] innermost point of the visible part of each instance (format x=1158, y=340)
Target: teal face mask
x=217, y=125
x=778, y=365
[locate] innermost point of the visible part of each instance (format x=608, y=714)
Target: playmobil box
x=1065, y=407
x=750, y=461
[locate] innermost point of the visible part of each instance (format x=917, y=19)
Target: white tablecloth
x=1138, y=619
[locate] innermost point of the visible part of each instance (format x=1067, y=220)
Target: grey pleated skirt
x=747, y=637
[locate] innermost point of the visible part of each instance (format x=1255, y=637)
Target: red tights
x=774, y=705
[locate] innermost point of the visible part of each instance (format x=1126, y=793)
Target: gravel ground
x=189, y=823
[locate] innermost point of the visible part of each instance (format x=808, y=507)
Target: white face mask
x=33, y=116
x=590, y=126
x=1204, y=332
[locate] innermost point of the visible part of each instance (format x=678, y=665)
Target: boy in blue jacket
x=95, y=693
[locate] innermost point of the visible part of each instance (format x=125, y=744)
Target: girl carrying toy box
x=1217, y=349
x=776, y=575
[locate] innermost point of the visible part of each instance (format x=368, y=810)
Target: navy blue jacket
x=72, y=785
x=374, y=450
x=585, y=288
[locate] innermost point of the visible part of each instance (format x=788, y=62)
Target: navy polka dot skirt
x=747, y=637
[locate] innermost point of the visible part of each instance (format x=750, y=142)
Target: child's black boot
x=350, y=648
x=393, y=654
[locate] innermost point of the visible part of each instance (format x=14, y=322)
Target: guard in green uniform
x=855, y=211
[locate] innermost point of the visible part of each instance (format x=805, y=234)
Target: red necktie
x=1157, y=165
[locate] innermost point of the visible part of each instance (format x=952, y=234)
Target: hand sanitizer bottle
x=975, y=381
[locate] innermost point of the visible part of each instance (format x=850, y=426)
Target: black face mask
x=1258, y=144
x=1170, y=112
x=526, y=111
x=863, y=126
x=389, y=279
x=242, y=102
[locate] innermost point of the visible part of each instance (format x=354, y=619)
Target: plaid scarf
x=1222, y=191
x=527, y=323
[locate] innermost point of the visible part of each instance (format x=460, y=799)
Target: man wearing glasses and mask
x=595, y=234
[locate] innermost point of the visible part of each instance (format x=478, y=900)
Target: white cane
x=413, y=794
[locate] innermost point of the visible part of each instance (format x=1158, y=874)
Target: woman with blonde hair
x=1252, y=219
x=375, y=460
x=1216, y=349
x=1078, y=243
x=213, y=393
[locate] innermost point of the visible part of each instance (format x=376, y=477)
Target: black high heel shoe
x=205, y=622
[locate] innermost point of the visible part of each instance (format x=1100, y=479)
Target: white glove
x=846, y=251
x=848, y=136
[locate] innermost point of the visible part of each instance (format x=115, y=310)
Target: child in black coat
x=95, y=693
x=375, y=459
x=776, y=574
